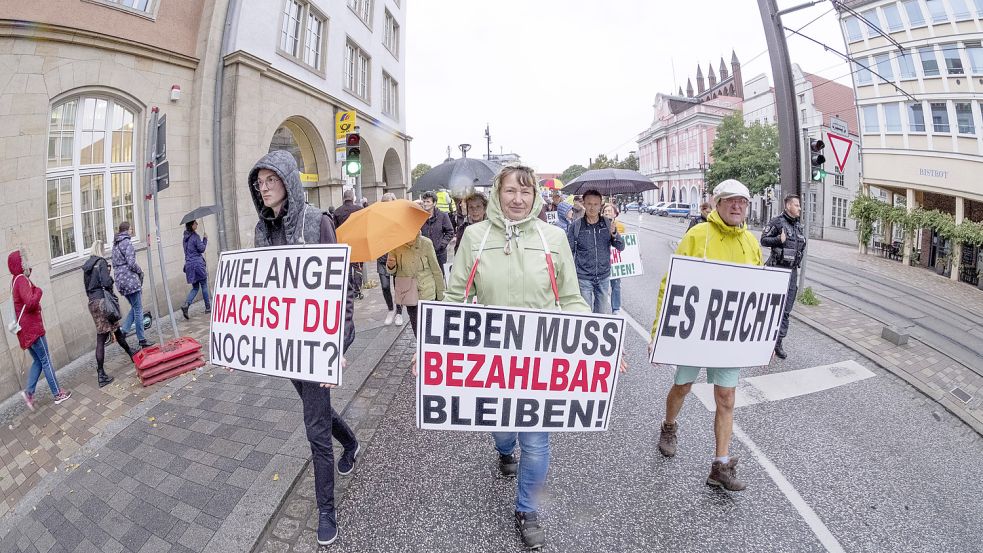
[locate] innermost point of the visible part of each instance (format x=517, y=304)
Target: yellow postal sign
x=344, y=124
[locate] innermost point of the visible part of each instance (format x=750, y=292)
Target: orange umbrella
x=380, y=228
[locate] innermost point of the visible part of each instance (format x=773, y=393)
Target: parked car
x=673, y=210
x=633, y=206
x=652, y=209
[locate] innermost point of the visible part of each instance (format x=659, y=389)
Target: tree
x=630, y=162
x=602, y=162
x=748, y=153
x=572, y=172
x=419, y=170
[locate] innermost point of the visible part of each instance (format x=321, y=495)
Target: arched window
x=292, y=138
x=91, y=173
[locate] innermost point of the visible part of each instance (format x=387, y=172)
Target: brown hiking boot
x=667, y=439
x=724, y=475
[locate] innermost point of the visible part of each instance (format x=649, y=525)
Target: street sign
x=841, y=146
x=838, y=125
x=163, y=176
x=160, y=146
x=344, y=124
x=308, y=177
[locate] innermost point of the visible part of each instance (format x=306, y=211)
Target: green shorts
x=723, y=377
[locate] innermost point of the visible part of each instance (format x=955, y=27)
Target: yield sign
x=841, y=148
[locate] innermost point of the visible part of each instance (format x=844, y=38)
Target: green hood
x=512, y=229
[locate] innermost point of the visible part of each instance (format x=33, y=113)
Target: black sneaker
x=347, y=462
x=327, y=528
x=184, y=311
x=780, y=351
x=533, y=535
x=508, y=465
x=145, y=344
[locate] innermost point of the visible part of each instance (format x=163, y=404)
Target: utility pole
x=488, y=140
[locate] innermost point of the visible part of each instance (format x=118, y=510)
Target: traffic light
x=817, y=159
x=353, y=154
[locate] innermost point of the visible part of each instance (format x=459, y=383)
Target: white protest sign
x=718, y=314
x=508, y=369
x=627, y=263
x=280, y=311
x=551, y=217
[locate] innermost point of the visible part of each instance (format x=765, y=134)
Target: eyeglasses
x=270, y=183
x=743, y=202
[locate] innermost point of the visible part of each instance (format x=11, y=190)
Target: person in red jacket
x=27, y=309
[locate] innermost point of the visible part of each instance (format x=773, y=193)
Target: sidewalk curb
x=935, y=395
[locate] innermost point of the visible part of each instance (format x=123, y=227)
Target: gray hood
x=284, y=165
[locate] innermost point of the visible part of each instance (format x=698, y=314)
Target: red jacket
x=26, y=296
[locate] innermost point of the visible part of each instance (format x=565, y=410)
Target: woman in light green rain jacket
x=417, y=259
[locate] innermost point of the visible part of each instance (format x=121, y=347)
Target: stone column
x=957, y=249
x=887, y=231
x=908, y=239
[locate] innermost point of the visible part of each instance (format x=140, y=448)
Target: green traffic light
x=353, y=168
x=818, y=174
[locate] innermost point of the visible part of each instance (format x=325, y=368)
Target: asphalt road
x=867, y=466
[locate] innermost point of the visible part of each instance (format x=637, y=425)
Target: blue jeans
x=42, y=362
x=534, y=462
x=597, y=293
x=135, y=315
x=203, y=284
x=616, y=295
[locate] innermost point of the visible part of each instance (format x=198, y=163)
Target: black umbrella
x=460, y=176
x=610, y=181
x=198, y=213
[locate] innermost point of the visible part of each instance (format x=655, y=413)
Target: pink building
x=675, y=150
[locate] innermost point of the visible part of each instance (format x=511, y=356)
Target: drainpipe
x=231, y=9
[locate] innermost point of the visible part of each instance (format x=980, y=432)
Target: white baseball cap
x=730, y=188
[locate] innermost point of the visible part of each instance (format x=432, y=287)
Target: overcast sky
x=560, y=81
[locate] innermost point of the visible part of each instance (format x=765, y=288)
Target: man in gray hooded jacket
x=285, y=218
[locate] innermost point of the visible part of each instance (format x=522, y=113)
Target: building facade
x=825, y=107
x=78, y=81
x=675, y=150
x=920, y=112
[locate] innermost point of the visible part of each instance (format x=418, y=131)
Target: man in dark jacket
x=129, y=281
x=285, y=218
x=785, y=237
x=437, y=228
x=702, y=217
x=340, y=216
x=591, y=238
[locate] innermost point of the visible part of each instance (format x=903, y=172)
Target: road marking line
x=784, y=385
x=810, y=517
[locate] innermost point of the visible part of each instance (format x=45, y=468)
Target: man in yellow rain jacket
x=724, y=237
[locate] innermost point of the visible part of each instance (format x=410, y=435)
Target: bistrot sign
x=280, y=311
x=489, y=368
x=627, y=263
x=717, y=314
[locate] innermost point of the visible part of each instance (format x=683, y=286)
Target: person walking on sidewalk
x=787, y=240
x=591, y=238
x=30, y=329
x=702, y=217
x=386, y=282
x=416, y=270
x=98, y=287
x=437, y=228
x=195, y=269
x=724, y=238
x=506, y=260
x=285, y=218
x=611, y=212
x=129, y=281
x=340, y=216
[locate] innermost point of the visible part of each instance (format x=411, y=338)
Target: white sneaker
x=389, y=318
x=616, y=312
x=399, y=319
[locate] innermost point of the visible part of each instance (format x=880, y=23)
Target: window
x=871, y=124
x=940, y=117
x=937, y=10
x=852, y=25
x=892, y=118
x=302, y=34
x=90, y=173
x=390, y=96
x=363, y=9
x=974, y=51
x=391, y=40
x=893, y=17
x=914, y=10
x=802, y=99
x=964, y=118
x=812, y=207
x=953, y=63
x=142, y=6
x=839, y=212
x=906, y=65
x=883, y=62
x=871, y=17
x=839, y=180
x=804, y=118
x=959, y=10
x=930, y=64
x=863, y=74
x=979, y=7
x=356, y=71
x=916, y=117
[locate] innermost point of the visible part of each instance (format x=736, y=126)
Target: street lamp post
x=704, y=167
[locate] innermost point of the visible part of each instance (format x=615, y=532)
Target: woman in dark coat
x=98, y=283
x=194, y=267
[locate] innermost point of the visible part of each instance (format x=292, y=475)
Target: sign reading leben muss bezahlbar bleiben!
x=717, y=314
x=489, y=368
x=280, y=311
